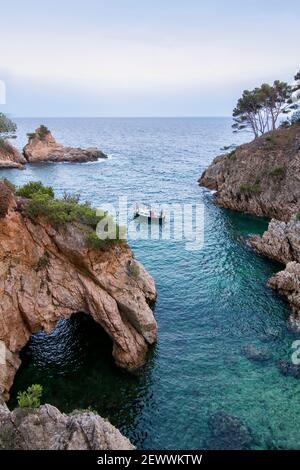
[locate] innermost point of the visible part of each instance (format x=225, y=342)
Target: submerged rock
x=256, y=354
x=49, y=273
x=46, y=428
x=289, y=369
x=228, y=432
x=10, y=157
x=42, y=147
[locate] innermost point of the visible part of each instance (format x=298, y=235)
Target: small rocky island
x=42, y=147
x=52, y=264
x=263, y=178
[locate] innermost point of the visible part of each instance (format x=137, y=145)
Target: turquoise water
x=211, y=303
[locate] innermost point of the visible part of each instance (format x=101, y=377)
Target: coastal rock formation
x=255, y=353
x=46, y=428
x=42, y=147
x=261, y=177
x=10, y=157
x=47, y=274
x=282, y=242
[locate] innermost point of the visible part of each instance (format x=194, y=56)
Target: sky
x=142, y=57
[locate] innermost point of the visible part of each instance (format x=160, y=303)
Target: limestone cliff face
x=42, y=147
x=10, y=157
x=48, y=429
x=48, y=274
x=261, y=178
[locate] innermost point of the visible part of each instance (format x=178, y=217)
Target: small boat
x=149, y=214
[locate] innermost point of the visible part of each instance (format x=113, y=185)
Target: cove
x=211, y=303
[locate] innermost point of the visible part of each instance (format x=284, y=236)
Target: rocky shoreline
x=48, y=273
x=46, y=428
x=42, y=147
x=263, y=178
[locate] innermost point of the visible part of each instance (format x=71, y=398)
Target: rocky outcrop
x=282, y=242
x=47, y=274
x=46, y=428
x=10, y=157
x=261, y=177
x=228, y=433
x=42, y=147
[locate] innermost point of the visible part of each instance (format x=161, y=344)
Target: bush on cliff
x=249, y=189
x=31, y=189
x=278, y=171
x=31, y=398
x=58, y=212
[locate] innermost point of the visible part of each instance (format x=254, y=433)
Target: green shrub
x=271, y=139
x=42, y=131
x=278, y=171
x=114, y=235
x=31, y=135
x=248, y=188
x=31, y=189
x=58, y=212
x=31, y=398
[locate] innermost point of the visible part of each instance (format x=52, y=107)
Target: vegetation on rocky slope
x=41, y=202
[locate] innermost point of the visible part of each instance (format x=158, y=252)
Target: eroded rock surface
x=282, y=242
x=42, y=147
x=48, y=274
x=261, y=177
x=48, y=429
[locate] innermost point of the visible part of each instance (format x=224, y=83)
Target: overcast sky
x=142, y=57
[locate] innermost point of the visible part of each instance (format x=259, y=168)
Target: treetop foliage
x=7, y=126
x=259, y=110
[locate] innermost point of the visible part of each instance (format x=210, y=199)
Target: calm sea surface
x=210, y=304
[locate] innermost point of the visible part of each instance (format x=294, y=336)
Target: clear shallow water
x=210, y=303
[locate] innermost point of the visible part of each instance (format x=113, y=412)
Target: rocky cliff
x=46, y=428
x=42, y=147
x=282, y=242
x=263, y=178
x=49, y=273
x=10, y=157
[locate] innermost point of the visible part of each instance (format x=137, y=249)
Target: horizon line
x=119, y=117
